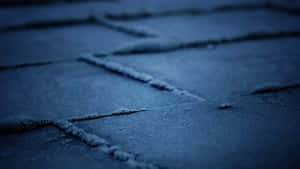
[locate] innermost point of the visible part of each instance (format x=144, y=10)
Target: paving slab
x=217, y=87
x=58, y=43
x=13, y=16
x=256, y=133
x=224, y=71
x=50, y=148
x=18, y=15
x=218, y=25
x=73, y=89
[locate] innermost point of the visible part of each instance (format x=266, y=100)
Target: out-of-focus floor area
x=158, y=84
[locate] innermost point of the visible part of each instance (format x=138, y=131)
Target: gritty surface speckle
x=225, y=106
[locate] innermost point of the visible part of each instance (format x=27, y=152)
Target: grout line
x=18, y=126
x=102, y=145
x=46, y=24
x=129, y=30
x=22, y=125
x=275, y=87
x=34, y=64
x=159, y=46
x=112, y=114
x=139, y=76
x=40, y=24
x=127, y=16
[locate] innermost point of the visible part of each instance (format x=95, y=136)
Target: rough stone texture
x=265, y=136
x=256, y=134
x=21, y=15
x=49, y=148
x=221, y=71
x=58, y=43
x=157, y=84
x=219, y=25
x=72, y=89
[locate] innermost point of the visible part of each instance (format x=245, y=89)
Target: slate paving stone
x=49, y=148
x=231, y=129
x=253, y=134
x=20, y=15
x=58, y=43
x=218, y=25
x=73, y=89
x=225, y=71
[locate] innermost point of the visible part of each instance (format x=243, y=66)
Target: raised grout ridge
x=273, y=87
x=139, y=76
x=22, y=125
x=102, y=145
x=47, y=24
x=126, y=16
x=158, y=46
x=33, y=64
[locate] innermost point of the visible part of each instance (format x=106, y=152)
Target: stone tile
x=258, y=131
x=49, y=148
x=58, y=43
x=225, y=71
x=20, y=15
x=71, y=89
x=253, y=134
x=218, y=25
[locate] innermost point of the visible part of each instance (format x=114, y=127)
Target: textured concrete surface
x=155, y=84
